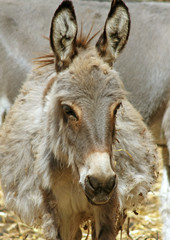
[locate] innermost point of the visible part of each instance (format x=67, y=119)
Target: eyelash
x=69, y=111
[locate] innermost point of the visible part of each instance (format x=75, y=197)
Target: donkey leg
x=106, y=219
x=49, y=228
x=59, y=229
x=49, y=218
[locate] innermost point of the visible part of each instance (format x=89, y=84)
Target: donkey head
x=85, y=97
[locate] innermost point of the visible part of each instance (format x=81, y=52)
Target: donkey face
x=86, y=97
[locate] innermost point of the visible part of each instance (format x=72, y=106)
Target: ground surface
x=144, y=226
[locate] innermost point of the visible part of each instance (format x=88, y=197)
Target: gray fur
x=48, y=155
x=146, y=79
x=143, y=65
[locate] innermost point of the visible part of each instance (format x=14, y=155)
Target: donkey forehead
x=87, y=58
x=88, y=77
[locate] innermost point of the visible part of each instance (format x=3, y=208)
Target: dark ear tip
x=66, y=4
x=118, y=2
x=115, y=4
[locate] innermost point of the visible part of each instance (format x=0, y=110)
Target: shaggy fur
x=48, y=152
x=143, y=66
x=25, y=166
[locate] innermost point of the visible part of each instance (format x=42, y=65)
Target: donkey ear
x=116, y=32
x=63, y=34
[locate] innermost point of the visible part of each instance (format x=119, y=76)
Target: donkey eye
x=69, y=112
x=117, y=107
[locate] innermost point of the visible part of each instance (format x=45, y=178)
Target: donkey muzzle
x=99, y=192
x=98, y=178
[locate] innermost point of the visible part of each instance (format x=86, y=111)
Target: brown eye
x=69, y=112
x=116, y=108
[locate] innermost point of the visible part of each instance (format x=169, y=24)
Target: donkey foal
x=72, y=147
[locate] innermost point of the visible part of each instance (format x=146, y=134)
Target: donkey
x=72, y=147
x=147, y=82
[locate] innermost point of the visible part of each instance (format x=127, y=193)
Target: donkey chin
x=98, y=178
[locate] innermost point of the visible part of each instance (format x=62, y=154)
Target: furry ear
x=63, y=34
x=116, y=32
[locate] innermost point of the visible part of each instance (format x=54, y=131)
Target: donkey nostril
x=93, y=182
x=106, y=186
x=110, y=184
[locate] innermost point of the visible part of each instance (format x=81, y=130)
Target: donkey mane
x=82, y=41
